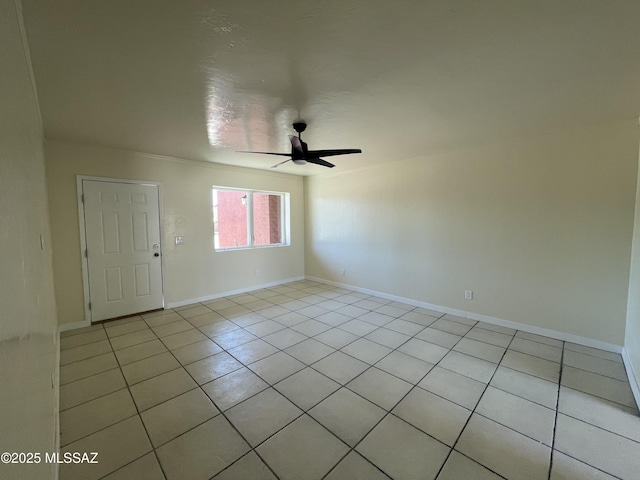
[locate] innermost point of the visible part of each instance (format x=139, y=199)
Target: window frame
x=285, y=220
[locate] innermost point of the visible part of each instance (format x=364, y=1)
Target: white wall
x=28, y=333
x=632, y=334
x=539, y=229
x=192, y=271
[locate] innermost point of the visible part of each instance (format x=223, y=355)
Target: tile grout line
x=306, y=412
x=600, y=396
x=608, y=474
x=498, y=365
x=596, y=373
x=254, y=449
x=555, y=420
x=453, y=447
x=98, y=397
x=139, y=417
x=224, y=350
x=600, y=428
x=370, y=365
x=198, y=386
x=414, y=386
x=387, y=413
x=517, y=395
x=308, y=337
x=251, y=448
x=103, y=428
x=88, y=376
x=553, y=449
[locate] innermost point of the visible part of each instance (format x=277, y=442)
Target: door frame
x=86, y=292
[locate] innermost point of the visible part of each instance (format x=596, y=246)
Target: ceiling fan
x=301, y=155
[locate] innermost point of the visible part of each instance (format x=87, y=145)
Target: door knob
x=156, y=254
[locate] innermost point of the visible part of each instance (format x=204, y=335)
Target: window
x=249, y=218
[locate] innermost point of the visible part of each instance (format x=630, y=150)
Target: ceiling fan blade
x=297, y=146
x=319, y=161
x=265, y=153
x=278, y=164
x=331, y=153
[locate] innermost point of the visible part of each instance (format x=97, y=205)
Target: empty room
x=320, y=240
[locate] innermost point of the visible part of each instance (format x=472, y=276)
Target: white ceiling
x=398, y=79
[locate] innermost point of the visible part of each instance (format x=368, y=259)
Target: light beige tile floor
x=309, y=381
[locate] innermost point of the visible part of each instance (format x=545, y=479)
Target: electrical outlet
x=342, y=272
x=257, y=273
x=468, y=294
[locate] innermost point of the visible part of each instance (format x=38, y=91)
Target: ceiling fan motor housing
x=299, y=126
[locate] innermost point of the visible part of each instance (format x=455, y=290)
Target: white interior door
x=122, y=230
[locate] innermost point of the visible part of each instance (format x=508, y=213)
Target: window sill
x=260, y=247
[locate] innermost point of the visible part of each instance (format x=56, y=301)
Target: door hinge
x=82, y=198
x=86, y=253
x=89, y=305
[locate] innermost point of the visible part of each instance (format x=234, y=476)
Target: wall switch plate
x=179, y=240
x=468, y=294
x=342, y=271
x=257, y=273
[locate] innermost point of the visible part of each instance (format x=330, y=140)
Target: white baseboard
x=215, y=296
x=567, y=337
x=72, y=326
x=632, y=375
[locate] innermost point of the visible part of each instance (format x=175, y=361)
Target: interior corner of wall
x=632, y=375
